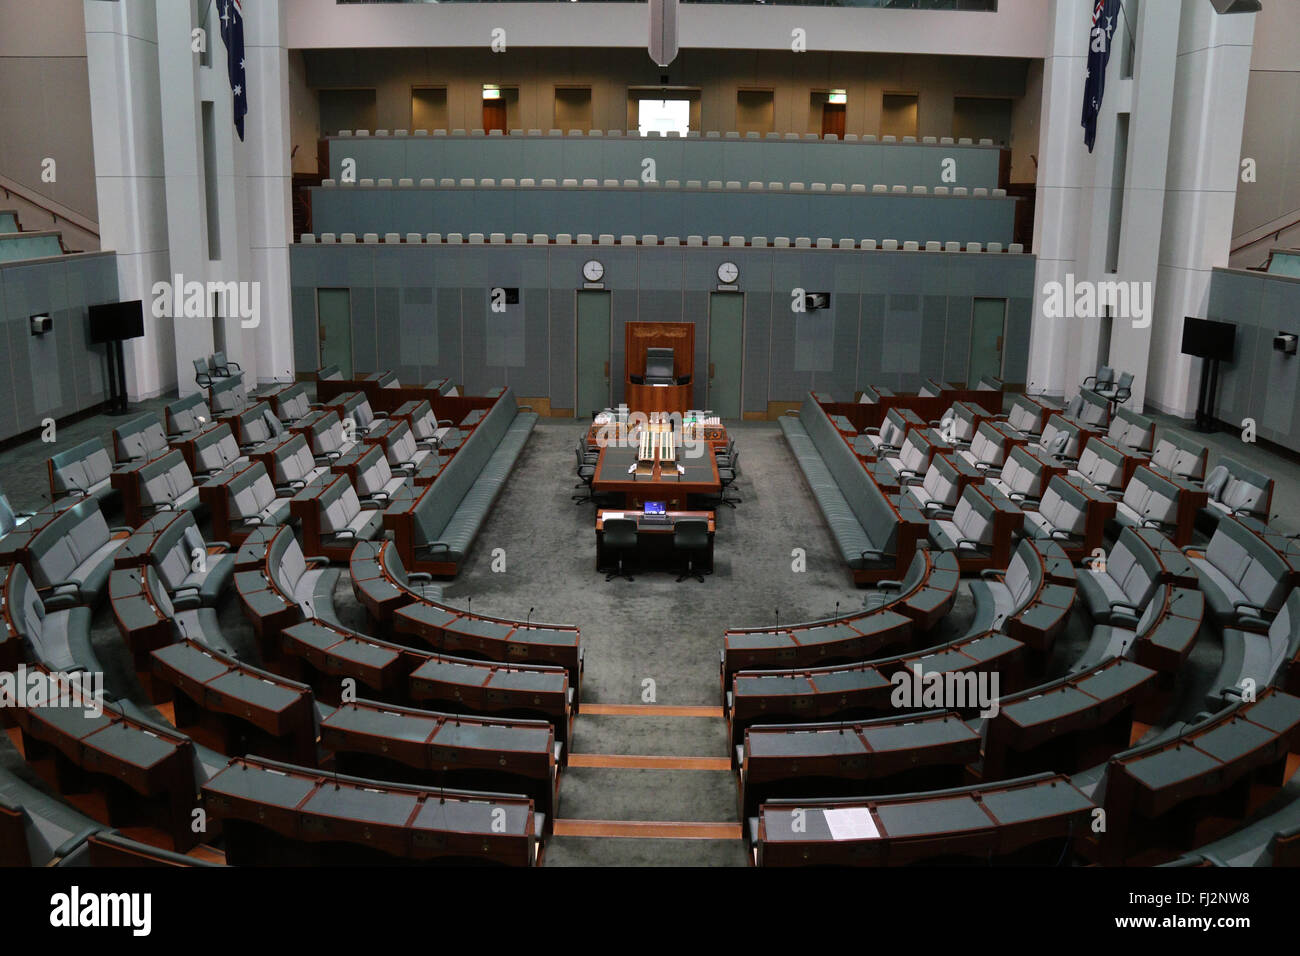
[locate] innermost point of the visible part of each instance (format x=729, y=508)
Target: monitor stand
x=117, y=404
x=1205, y=399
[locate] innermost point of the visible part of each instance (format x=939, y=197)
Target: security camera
x=1285, y=343
x=41, y=324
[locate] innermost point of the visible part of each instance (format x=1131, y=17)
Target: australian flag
x=232, y=34
x=1104, y=13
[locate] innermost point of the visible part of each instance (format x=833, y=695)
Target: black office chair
x=728, y=476
x=620, y=537
x=586, y=472
x=589, y=454
x=691, y=537
x=726, y=456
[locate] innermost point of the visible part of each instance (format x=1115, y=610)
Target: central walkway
x=649, y=778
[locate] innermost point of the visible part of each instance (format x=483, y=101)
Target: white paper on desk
x=851, y=823
x=611, y=516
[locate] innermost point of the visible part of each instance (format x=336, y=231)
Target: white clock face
x=727, y=272
x=593, y=270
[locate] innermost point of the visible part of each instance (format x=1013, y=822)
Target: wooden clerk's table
x=700, y=477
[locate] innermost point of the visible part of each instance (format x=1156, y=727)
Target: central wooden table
x=699, y=477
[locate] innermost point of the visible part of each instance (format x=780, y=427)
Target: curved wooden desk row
x=855, y=636
x=272, y=813
x=1030, y=815
x=457, y=632
x=863, y=689
x=864, y=415
x=1066, y=725
x=1155, y=795
x=148, y=772
x=318, y=650
x=380, y=739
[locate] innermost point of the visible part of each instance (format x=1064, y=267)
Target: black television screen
x=116, y=321
x=1208, y=339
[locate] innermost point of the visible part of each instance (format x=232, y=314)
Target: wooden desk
x=659, y=398
x=611, y=477
x=263, y=803
x=654, y=540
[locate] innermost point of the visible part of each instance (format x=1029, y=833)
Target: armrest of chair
x=875, y=555
x=64, y=594
x=942, y=512
x=1250, y=622
x=371, y=505
x=973, y=545
x=1129, y=621
x=223, y=545
x=420, y=577
x=992, y=574
x=1059, y=534
x=436, y=546
x=186, y=599
x=890, y=585
x=1241, y=607
x=524, y=408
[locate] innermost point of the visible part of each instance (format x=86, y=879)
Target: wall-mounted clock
x=593, y=270
x=728, y=273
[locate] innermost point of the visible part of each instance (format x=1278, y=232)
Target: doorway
x=987, y=334
x=726, y=333
x=334, y=328
x=494, y=115
x=591, y=364
x=833, y=120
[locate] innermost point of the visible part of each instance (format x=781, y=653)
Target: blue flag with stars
x=1104, y=13
x=232, y=34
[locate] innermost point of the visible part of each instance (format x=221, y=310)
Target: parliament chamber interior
x=661, y=433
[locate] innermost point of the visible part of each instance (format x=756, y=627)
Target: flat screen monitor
x=655, y=508
x=1205, y=338
x=116, y=321
x=658, y=364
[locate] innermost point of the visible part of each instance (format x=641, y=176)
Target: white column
x=126, y=126
x=1150, y=103
x=1060, y=154
x=268, y=182
x=1209, y=106
x=181, y=111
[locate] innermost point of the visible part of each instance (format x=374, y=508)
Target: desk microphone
x=469, y=604
x=837, y=612
x=776, y=616
x=528, y=620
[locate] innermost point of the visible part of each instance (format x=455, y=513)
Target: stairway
x=624, y=801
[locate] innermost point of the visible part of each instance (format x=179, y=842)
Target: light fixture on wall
x=837, y=96
x=491, y=91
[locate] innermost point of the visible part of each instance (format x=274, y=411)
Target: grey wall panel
x=448, y=364
x=1020, y=316
x=758, y=333
x=956, y=345
x=895, y=319
x=562, y=306
x=873, y=309
x=695, y=306
x=59, y=373
x=306, y=351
